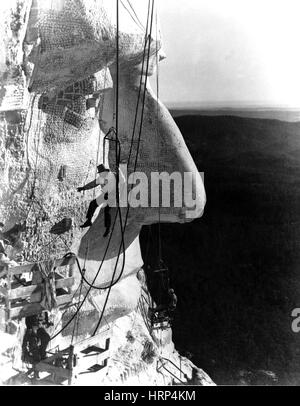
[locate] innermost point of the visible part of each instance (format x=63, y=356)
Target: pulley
x=111, y=138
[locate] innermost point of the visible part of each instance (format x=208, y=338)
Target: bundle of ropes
x=141, y=96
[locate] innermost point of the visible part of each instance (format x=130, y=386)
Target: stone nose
x=153, y=143
x=173, y=156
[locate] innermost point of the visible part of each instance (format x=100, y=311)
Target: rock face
x=59, y=83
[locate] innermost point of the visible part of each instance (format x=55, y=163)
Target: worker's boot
x=91, y=210
x=88, y=223
x=106, y=232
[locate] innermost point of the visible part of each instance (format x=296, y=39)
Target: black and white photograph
x=149, y=195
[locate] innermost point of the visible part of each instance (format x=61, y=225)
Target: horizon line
x=227, y=105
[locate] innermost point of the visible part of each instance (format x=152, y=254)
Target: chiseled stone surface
x=57, y=102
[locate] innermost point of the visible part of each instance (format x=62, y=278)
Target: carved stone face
x=68, y=56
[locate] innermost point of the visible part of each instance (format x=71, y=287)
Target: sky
x=230, y=52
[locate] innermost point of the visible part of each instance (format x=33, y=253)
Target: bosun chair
x=161, y=320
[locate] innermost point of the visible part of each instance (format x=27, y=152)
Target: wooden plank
x=59, y=354
x=25, y=310
x=63, y=299
x=16, y=270
x=35, y=308
x=22, y=292
x=65, y=283
x=25, y=291
x=51, y=380
x=36, y=297
x=88, y=369
x=89, y=342
x=61, y=372
x=83, y=363
x=78, y=347
x=66, y=261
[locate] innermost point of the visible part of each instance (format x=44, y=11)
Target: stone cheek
x=32, y=186
x=13, y=23
x=13, y=163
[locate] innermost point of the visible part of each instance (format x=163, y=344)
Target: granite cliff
x=70, y=71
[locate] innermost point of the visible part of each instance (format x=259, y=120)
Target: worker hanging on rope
x=36, y=339
x=172, y=303
x=164, y=311
x=169, y=307
x=107, y=199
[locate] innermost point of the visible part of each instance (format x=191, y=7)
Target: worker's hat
x=101, y=168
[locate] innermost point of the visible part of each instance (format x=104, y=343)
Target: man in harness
x=35, y=340
x=164, y=312
x=107, y=198
x=172, y=302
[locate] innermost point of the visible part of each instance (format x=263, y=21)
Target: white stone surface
x=64, y=52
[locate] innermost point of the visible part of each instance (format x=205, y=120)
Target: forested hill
x=236, y=270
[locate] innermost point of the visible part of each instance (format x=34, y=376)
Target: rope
x=74, y=304
x=76, y=324
x=88, y=291
x=37, y=132
x=137, y=17
x=32, y=98
x=122, y=244
x=139, y=138
x=91, y=285
x=117, y=90
x=137, y=22
x=143, y=105
x=140, y=86
x=144, y=316
x=174, y=376
x=100, y=116
x=117, y=154
x=171, y=362
x=158, y=141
